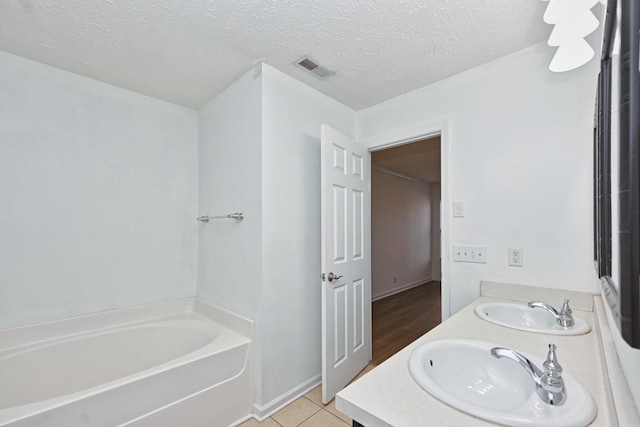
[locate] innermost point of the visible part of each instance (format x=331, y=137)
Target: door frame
x=408, y=135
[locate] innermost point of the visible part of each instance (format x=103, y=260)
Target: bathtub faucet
x=549, y=383
x=564, y=318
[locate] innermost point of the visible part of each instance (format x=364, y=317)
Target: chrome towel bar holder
x=236, y=215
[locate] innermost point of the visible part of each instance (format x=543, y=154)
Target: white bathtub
x=183, y=363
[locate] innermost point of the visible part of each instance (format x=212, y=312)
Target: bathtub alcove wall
x=98, y=187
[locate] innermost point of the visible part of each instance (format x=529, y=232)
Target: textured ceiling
x=186, y=51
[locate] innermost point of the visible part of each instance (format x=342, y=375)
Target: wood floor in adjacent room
x=400, y=319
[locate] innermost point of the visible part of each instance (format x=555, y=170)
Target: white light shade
x=580, y=25
x=558, y=10
x=570, y=55
x=572, y=21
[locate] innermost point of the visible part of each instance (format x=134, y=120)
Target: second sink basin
x=464, y=374
x=525, y=318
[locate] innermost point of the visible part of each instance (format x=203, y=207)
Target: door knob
x=333, y=277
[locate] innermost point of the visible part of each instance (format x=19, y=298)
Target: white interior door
x=346, y=285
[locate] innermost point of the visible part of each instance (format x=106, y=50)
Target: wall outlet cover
x=516, y=257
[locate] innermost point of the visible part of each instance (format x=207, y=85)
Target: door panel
x=339, y=224
x=358, y=224
x=340, y=324
x=358, y=314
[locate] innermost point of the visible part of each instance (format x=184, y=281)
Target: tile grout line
x=324, y=408
x=336, y=416
x=316, y=413
x=315, y=404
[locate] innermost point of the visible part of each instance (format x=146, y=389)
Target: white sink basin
x=525, y=318
x=465, y=375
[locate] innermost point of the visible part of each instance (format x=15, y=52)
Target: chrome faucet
x=564, y=318
x=549, y=384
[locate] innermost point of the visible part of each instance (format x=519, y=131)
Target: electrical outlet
x=516, y=257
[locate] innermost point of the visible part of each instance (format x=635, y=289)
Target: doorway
x=405, y=244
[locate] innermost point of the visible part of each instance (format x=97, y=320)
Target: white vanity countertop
x=388, y=395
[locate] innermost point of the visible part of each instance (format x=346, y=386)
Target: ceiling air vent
x=317, y=70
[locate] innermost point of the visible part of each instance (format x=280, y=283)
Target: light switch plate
x=458, y=209
x=470, y=253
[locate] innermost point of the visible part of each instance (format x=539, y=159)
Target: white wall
x=229, y=163
x=521, y=148
x=98, y=191
x=400, y=233
x=292, y=115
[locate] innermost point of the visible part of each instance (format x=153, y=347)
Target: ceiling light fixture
x=308, y=64
x=573, y=21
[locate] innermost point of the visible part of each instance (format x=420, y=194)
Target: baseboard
x=400, y=289
x=262, y=412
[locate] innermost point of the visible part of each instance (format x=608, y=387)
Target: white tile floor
x=308, y=411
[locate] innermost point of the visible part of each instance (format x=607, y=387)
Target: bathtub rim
x=39, y=333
